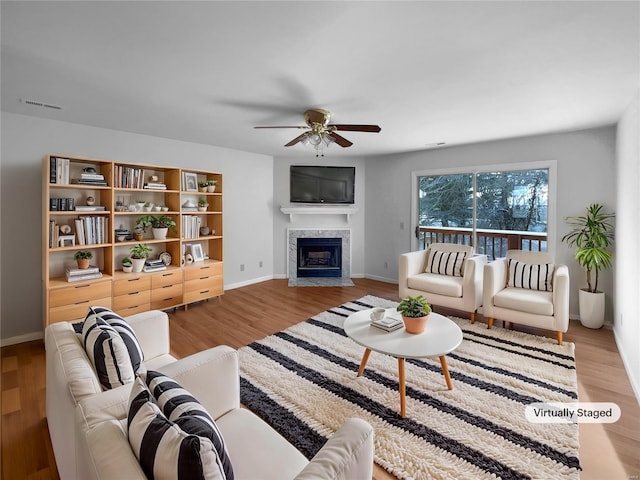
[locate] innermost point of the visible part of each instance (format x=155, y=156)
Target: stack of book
x=82, y=274
x=154, y=265
x=155, y=186
x=388, y=324
x=89, y=178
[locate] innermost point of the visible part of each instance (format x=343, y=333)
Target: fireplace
x=319, y=257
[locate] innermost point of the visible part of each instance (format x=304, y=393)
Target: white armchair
x=446, y=274
x=527, y=288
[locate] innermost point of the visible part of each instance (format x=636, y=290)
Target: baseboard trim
x=625, y=361
x=246, y=283
x=27, y=337
x=381, y=279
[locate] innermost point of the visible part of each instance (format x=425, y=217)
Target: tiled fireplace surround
x=292, y=258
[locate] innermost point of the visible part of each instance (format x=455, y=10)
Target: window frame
x=551, y=165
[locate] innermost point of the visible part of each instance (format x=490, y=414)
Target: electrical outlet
x=260, y=264
x=242, y=267
x=401, y=225
x=386, y=265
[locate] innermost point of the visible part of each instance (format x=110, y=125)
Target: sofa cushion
x=448, y=286
x=127, y=334
x=525, y=300
x=164, y=450
x=445, y=263
x=531, y=276
x=107, y=352
x=184, y=410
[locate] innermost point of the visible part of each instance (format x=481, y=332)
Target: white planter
x=138, y=264
x=591, y=308
x=160, y=233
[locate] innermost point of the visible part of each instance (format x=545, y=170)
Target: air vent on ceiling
x=35, y=103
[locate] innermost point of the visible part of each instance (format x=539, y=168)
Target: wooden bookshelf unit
x=86, y=200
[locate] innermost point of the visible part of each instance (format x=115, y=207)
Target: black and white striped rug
x=302, y=381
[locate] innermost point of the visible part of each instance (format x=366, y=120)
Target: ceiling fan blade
x=296, y=140
x=357, y=128
x=284, y=126
x=343, y=142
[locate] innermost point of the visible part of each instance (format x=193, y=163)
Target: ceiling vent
x=35, y=103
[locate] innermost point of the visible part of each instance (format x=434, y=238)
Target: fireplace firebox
x=319, y=257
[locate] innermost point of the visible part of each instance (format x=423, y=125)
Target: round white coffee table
x=441, y=336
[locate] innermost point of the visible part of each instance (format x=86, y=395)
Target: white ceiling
x=425, y=71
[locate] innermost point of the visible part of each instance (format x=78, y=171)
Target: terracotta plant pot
x=415, y=324
x=83, y=263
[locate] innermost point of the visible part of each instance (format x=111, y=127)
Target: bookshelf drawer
x=77, y=311
x=85, y=292
x=131, y=299
x=125, y=312
x=130, y=285
x=166, y=278
x=195, y=290
x=165, y=292
x=206, y=270
x=167, y=302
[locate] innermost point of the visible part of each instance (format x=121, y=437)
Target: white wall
x=281, y=221
x=585, y=174
x=627, y=260
x=248, y=192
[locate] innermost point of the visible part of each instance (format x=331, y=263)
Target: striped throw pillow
x=163, y=449
x=446, y=263
x=532, y=277
x=127, y=334
x=184, y=410
x=107, y=352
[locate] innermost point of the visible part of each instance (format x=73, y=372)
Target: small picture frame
x=190, y=181
x=67, y=241
x=196, y=252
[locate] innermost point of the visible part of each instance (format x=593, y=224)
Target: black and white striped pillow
x=446, y=263
x=533, y=277
x=124, y=329
x=163, y=449
x=107, y=352
x=184, y=410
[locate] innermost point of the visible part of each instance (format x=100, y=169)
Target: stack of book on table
x=154, y=265
x=82, y=274
x=388, y=324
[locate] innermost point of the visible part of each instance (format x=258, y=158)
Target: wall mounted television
x=322, y=184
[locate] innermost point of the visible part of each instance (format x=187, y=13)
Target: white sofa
x=91, y=442
x=458, y=292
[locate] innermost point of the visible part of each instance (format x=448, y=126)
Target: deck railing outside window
x=493, y=243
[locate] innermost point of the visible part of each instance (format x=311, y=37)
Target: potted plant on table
x=415, y=313
x=211, y=186
x=202, y=205
x=127, y=265
x=203, y=186
x=83, y=258
x=592, y=235
x=160, y=225
x=139, y=254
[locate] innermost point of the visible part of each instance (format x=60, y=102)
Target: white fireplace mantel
x=346, y=210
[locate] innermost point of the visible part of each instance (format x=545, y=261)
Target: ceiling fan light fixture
x=315, y=139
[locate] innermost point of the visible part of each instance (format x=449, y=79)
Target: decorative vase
x=204, y=230
x=203, y=189
x=211, y=188
x=138, y=236
x=591, y=308
x=415, y=324
x=127, y=268
x=138, y=264
x=160, y=233
x=83, y=263
x=202, y=209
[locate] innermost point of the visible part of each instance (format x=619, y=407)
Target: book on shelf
x=97, y=183
x=388, y=324
x=82, y=278
x=59, y=170
x=73, y=271
x=91, y=176
x=155, y=186
x=90, y=208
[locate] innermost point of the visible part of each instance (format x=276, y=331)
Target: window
x=494, y=210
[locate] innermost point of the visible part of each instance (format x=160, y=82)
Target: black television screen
x=320, y=184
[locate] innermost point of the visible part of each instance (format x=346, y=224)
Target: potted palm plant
x=415, y=313
x=592, y=235
x=139, y=253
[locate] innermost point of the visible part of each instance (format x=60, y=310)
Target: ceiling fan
x=320, y=132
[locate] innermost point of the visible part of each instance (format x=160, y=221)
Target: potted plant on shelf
x=83, y=258
x=211, y=186
x=203, y=186
x=415, y=313
x=139, y=254
x=127, y=266
x=592, y=235
x=202, y=205
x=160, y=225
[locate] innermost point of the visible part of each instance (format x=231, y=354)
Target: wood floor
x=609, y=451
